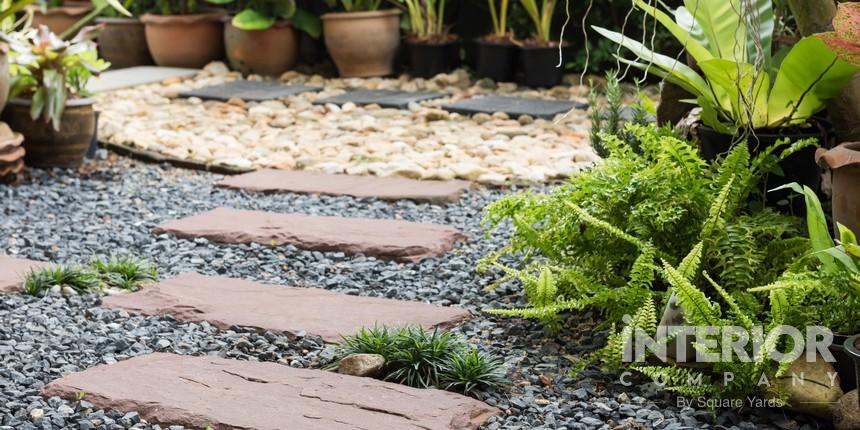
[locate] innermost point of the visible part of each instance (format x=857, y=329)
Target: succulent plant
x=845, y=39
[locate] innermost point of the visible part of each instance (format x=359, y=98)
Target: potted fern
x=542, y=58
x=743, y=89
x=362, y=38
x=122, y=42
x=50, y=104
x=497, y=53
x=181, y=34
x=432, y=49
x=262, y=37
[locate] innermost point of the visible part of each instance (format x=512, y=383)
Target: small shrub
x=80, y=279
x=427, y=359
x=126, y=273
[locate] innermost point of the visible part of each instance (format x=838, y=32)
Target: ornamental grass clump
x=427, y=359
x=81, y=279
x=127, y=273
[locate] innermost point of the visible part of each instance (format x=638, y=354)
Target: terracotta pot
x=123, y=43
x=844, y=164
x=269, y=52
x=61, y=18
x=4, y=75
x=185, y=40
x=363, y=44
x=47, y=147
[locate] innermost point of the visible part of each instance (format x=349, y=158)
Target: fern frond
x=690, y=264
x=744, y=319
x=718, y=207
x=605, y=226
x=697, y=308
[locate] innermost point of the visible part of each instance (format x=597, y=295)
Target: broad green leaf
x=723, y=26
x=745, y=87
x=115, y=4
x=285, y=9
x=250, y=19
x=810, y=74
x=307, y=22
x=764, y=24
x=846, y=236
x=667, y=64
x=685, y=19
x=220, y=1
x=696, y=50
x=816, y=223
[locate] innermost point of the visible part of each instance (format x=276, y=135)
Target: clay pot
x=4, y=75
x=11, y=154
x=363, y=44
x=844, y=164
x=47, y=147
x=190, y=41
x=61, y=18
x=269, y=52
x=123, y=43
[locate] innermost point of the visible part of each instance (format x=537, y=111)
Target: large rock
x=361, y=364
x=810, y=387
x=382, y=238
x=14, y=270
x=198, y=392
x=387, y=188
x=846, y=412
x=227, y=302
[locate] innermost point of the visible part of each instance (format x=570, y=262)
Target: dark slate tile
x=384, y=98
x=255, y=91
x=513, y=106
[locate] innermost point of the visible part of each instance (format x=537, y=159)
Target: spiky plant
x=471, y=371
x=127, y=273
x=80, y=279
x=420, y=355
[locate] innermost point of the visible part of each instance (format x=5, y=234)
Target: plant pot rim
x=281, y=23
x=482, y=41
x=811, y=131
x=333, y=16
x=149, y=18
x=417, y=42
x=850, y=346
x=117, y=20
x=73, y=10
x=532, y=47
x=844, y=155
x=78, y=102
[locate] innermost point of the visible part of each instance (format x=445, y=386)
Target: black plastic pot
x=851, y=350
x=497, y=61
x=845, y=363
x=539, y=65
x=431, y=59
x=799, y=167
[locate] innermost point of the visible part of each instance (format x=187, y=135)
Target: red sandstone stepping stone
x=198, y=392
x=384, y=188
x=382, y=238
x=13, y=270
x=227, y=302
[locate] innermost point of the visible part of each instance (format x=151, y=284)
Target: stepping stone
x=386, y=239
x=514, y=106
x=201, y=392
x=255, y=91
x=383, y=98
x=228, y=302
x=387, y=188
x=14, y=270
x=134, y=76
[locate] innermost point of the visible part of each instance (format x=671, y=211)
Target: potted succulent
x=49, y=103
x=180, y=34
x=432, y=49
x=497, y=53
x=745, y=92
x=542, y=58
x=262, y=38
x=362, y=39
x=122, y=41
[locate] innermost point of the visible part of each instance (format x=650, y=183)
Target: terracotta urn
x=122, y=42
x=60, y=18
x=844, y=164
x=268, y=52
x=363, y=44
x=190, y=41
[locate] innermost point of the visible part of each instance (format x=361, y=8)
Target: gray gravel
x=69, y=216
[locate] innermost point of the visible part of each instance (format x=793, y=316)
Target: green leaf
x=250, y=19
x=115, y=4
x=285, y=9
x=693, y=47
x=723, y=25
x=846, y=236
x=220, y=1
x=816, y=223
x=307, y=22
x=810, y=74
x=745, y=87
